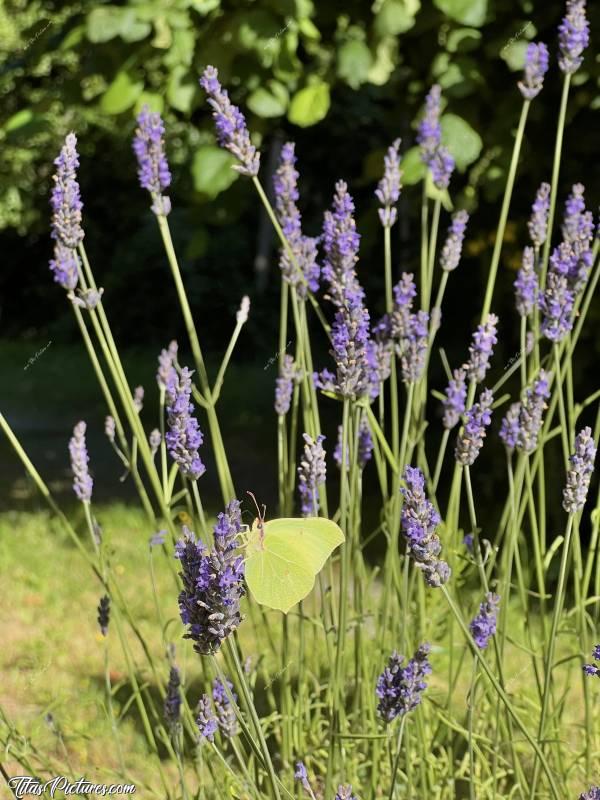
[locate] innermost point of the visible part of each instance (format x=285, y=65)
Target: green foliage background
x=343, y=79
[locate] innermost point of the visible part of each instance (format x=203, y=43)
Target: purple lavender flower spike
x=593, y=670
x=349, y=337
x=153, y=168
x=442, y=166
x=429, y=134
x=592, y=794
x=226, y=717
x=470, y=439
x=483, y=627
x=284, y=385
x=302, y=775
x=509, y=429
x=419, y=520
x=481, y=349
x=388, y=189
x=232, y=132
x=138, y=398
x=580, y=472
x=65, y=197
x=404, y=293
x=413, y=347
x=340, y=244
x=452, y=249
x=400, y=686
x=184, y=436
x=556, y=306
x=344, y=792
x=538, y=222
x=206, y=719
x=166, y=360
x=573, y=37
x=532, y=410
x=456, y=397
x=82, y=483
x=304, y=248
x=172, y=704
x=573, y=260
x=64, y=266
x=213, y=583
x=104, y=614
x=312, y=473
x=536, y=66
x=526, y=284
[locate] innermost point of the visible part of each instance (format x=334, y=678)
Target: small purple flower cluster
x=400, y=686
x=433, y=153
x=172, y=704
x=592, y=669
x=166, y=370
x=483, y=626
x=526, y=284
x=409, y=330
x=573, y=37
x=592, y=794
x=304, y=248
x=217, y=714
x=104, y=614
x=452, y=249
x=538, y=222
x=456, y=398
x=419, y=520
x=284, y=385
x=470, y=439
x=482, y=348
x=184, y=436
x=65, y=200
x=232, y=132
x=213, y=583
x=536, y=66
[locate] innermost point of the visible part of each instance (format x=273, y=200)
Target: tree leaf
x=103, y=24
x=396, y=16
x=133, y=29
x=212, y=170
x=467, y=12
x=121, y=94
x=413, y=169
x=269, y=101
x=354, y=60
x=181, y=89
x=310, y=105
x=461, y=139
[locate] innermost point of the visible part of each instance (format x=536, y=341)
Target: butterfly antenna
x=261, y=515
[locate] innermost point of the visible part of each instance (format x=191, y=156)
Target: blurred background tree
x=342, y=79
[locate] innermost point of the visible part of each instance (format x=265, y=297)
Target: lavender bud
x=452, y=249
x=83, y=483
x=404, y=293
x=87, y=298
x=526, y=284
x=153, y=168
x=413, y=347
x=344, y=792
x=109, y=429
x=481, y=349
x=378, y=355
x=284, y=385
x=226, y=716
x=138, y=398
x=154, y=440
x=213, y=583
x=166, y=361
x=104, y=614
x=442, y=166
x=470, y=439
x=580, y=472
x=206, y=719
x=483, y=627
x=593, y=670
x=536, y=66
x=456, y=397
x=593, y=793
x=400, y=686
x=312, y=473
x=232, y=132
x=509, y=429
x=429, y=134
x=184, y=436
x=172, y=704
x=302, y=775
x=241, y=316
x=419, y=520
x=304, y=248
x=349, y=338
x=388, y=189
x=65, y=197
x=573, y=37
x=538, y=222
x=532, y=409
